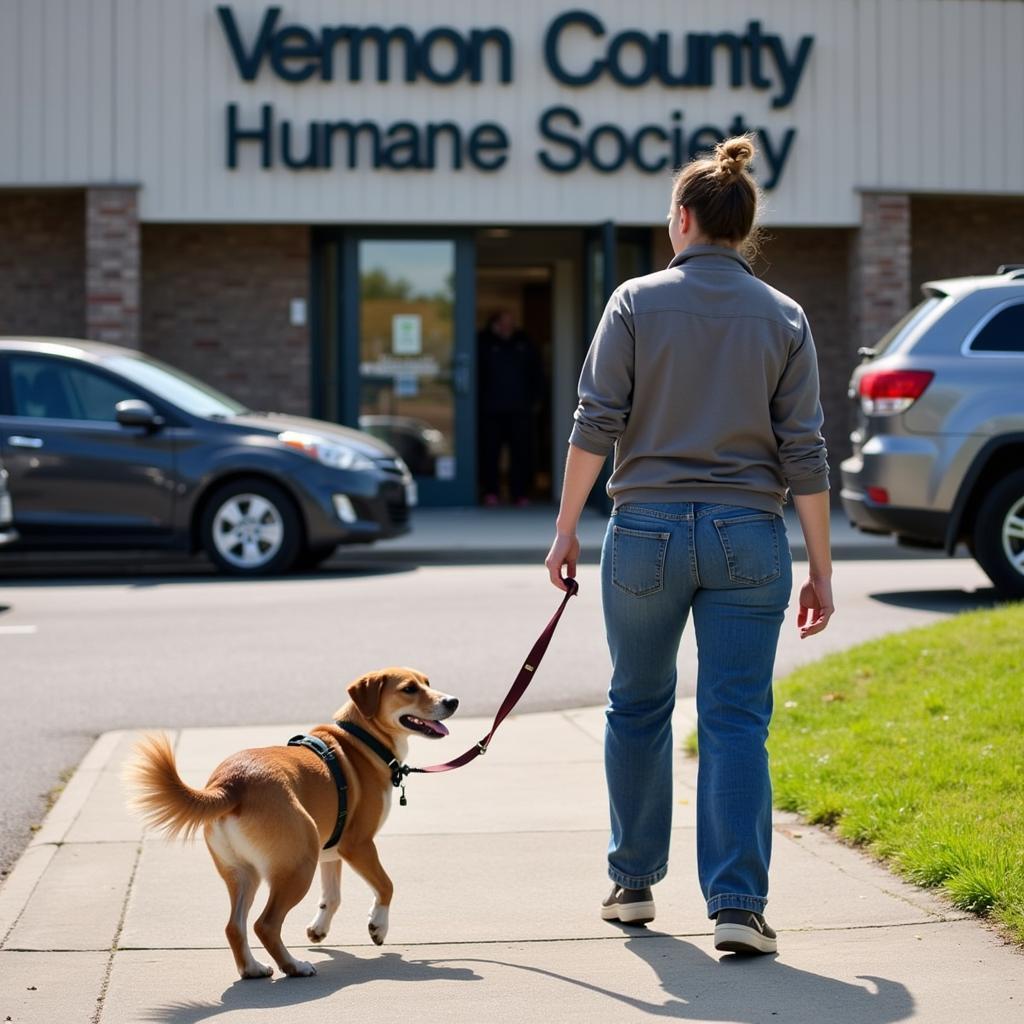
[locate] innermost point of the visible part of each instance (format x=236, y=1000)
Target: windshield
x=176, y=387
x=903, y=328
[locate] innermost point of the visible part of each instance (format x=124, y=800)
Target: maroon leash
x=519, y=687
x=399, y=771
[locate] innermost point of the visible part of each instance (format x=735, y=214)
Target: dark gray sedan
x=107, y=448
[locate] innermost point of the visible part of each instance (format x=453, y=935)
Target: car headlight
x=337, y=456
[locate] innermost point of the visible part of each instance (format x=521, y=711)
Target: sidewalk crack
x=105, y=984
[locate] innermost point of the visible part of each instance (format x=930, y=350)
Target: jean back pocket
x=638, y=560
x=751, y=546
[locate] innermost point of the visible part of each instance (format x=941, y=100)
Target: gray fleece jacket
x=704, y=380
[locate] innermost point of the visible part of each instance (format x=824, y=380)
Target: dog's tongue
x=436, y=727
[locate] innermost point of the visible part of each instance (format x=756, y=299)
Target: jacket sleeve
x=797, y=418
x=606, y=383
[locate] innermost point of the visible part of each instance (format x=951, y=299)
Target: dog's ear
x=365, y=693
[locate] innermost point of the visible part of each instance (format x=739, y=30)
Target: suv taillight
x=888, y=392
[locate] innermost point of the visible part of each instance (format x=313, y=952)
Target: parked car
x=7, y=532
x=108, y=448
x=938, y=451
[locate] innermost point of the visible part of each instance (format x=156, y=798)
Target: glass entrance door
x=408, y=319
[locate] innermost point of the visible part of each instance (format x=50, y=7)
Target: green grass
x=913, y=746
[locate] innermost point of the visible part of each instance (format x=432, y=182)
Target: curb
x=20, y=885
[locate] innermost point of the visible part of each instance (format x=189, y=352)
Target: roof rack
x=1011, y=269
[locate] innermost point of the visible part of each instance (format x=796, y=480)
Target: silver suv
x=938, y=451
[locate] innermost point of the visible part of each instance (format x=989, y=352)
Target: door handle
x=461, y=376
x=17, y=441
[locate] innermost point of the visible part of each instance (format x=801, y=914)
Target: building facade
x=316, y=205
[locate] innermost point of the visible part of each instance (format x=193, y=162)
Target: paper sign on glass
x=406, y=334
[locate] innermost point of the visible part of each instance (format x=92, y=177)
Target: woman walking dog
x=704, y=381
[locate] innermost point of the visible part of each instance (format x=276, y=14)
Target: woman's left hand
x=565, y=550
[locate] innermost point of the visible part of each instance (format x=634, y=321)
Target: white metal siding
x=914, y=95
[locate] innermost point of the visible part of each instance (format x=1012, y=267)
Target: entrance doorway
x=513, y=429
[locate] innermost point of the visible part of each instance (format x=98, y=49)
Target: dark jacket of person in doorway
x=511, y=381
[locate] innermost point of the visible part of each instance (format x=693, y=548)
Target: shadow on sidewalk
x=739, y=989
x=341, y=971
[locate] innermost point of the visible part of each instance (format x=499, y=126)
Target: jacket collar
x=719, y=257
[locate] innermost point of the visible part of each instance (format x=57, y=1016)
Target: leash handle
x=514, y=695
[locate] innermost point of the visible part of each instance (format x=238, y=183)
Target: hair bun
x=733, y=155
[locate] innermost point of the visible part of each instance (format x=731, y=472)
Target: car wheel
x=251, y=528
x=999, y=535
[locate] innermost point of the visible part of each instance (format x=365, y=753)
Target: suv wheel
x=251, y=528
x=999, y=535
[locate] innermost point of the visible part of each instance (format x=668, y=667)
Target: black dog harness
x=328, y=756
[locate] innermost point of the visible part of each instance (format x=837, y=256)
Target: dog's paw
x=300, y=969
x=378, y=925
x=316, y=932
x=257, y=970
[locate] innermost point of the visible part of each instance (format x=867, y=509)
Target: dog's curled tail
x=164, y=799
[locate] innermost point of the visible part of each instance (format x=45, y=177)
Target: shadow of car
x=108, y=448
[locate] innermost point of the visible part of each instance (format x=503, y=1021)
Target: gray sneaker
x=628, y=906
x=743, y=931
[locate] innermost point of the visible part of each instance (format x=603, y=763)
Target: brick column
x=880, y=268
x=112, y=265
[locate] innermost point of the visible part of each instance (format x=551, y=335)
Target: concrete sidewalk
x=498, y=872
x=459, y=535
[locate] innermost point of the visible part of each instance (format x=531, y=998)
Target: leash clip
x=481, y=747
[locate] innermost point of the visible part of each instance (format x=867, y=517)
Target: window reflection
x=407, y=337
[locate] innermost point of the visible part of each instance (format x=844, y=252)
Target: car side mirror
x=133, y=412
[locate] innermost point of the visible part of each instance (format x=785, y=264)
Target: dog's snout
x=451, y=704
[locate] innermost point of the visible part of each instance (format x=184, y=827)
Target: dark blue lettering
x=402, y=149
x=435, y=129
x=483, y=139
x=551, y=39
x=649, y=62
x=312, y=157
x=262, y=135
x=426, y=63
x=621, y=144
x=704, y=139
x=479, y=38
x=636, y=149
x=306, y=48
x=548, y=132
x=248, y=64
x=353, y=130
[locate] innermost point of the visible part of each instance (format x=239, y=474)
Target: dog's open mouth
x=435, y=730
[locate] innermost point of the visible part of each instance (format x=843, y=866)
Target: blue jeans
x=731, y=566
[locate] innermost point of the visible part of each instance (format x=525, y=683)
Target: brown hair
x=720, y=192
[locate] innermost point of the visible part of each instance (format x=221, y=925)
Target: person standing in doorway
x=704, y=382
x=510, y=381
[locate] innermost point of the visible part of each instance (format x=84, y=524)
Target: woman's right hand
x=816, y=606
x=565, y=550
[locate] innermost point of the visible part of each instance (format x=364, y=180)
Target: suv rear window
x=1003, y=333
x=903, y=328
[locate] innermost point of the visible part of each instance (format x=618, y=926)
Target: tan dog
x=266, y=813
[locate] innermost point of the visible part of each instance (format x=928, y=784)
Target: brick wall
x=112, y=265
x=958, y=235
x=215, y=302
x=812, y=265
x=881, y=265
x=42, y=263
